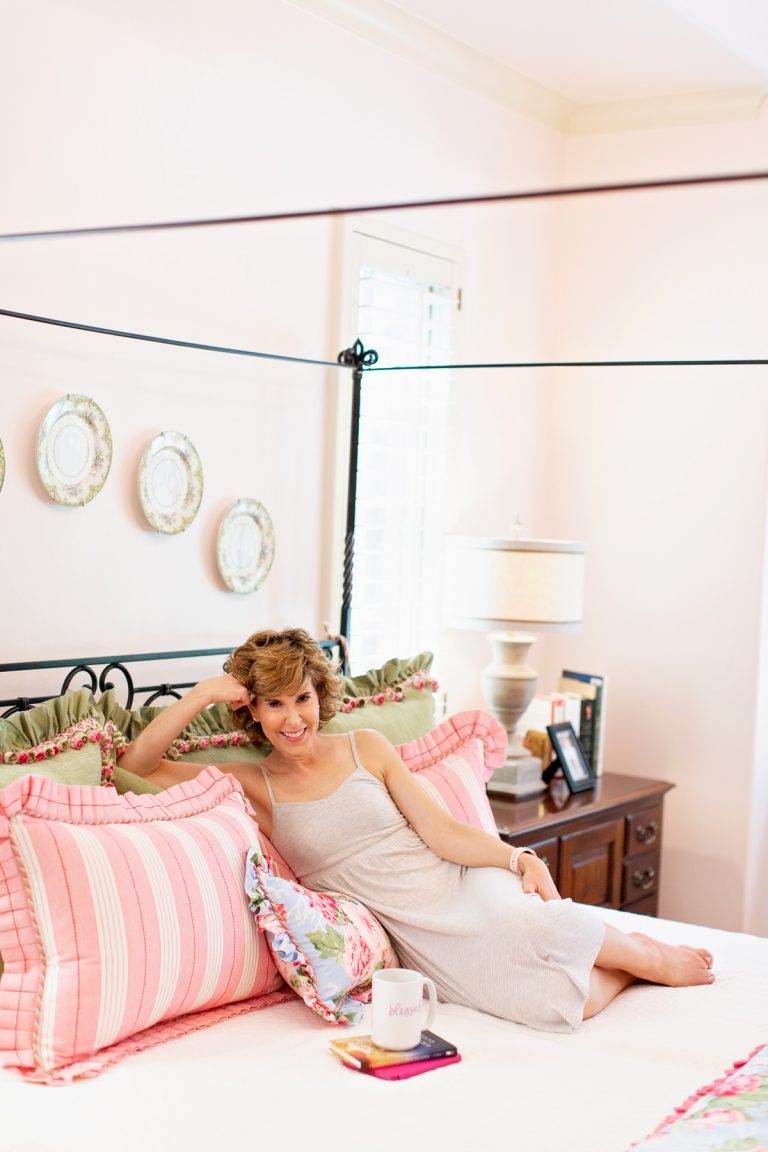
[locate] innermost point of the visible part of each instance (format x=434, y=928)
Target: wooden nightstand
x=602, y=847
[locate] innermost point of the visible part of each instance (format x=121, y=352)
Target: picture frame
x=571, y=759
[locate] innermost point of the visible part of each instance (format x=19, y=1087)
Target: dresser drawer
x=549, y=852
x=641, y=877
x=643, y=830
x=590, y=864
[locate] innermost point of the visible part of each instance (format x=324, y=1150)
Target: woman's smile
x=296, y=736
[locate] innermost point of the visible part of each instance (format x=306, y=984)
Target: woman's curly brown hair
x=277, y=664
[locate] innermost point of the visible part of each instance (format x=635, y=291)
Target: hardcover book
x=360, y=1052
x=591, y=687
x=406, y=1071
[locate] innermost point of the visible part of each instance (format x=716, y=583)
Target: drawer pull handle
x=644, y=879
x=647, y=835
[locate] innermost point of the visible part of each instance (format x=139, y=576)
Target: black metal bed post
x=357, y=358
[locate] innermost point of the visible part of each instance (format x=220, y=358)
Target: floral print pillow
x=725, y=1116
x=326, y=946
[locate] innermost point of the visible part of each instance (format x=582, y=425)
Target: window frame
x=340, y=421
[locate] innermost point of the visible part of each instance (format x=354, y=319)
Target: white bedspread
x=267, y=1081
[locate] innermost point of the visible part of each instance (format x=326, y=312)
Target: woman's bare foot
x=703, y=953
x=706, y=956
x=676, y=965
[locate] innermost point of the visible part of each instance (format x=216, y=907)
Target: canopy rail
x=433, y=202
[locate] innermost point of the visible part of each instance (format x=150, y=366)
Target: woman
x=483, y=920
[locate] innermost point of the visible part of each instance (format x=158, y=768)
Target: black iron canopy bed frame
x=357, y=358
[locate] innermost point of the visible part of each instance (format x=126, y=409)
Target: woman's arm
x=446, y=836
x=144, y=755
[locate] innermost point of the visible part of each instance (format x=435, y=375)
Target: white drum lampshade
x=536, y=585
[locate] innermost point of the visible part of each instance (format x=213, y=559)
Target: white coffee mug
x=397, y=1005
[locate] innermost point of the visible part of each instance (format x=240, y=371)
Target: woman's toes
x=703, y=953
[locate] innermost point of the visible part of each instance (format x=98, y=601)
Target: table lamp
x=509, y=584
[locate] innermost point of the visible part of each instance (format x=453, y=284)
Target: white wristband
x=514, y=858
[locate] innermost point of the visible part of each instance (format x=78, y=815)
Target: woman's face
x=289, y=722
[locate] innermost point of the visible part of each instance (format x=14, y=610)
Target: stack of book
x=361, y=1054
x=580, y=699
x=591, y=691
x=548, y=708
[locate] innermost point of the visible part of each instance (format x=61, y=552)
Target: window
x=406, y=308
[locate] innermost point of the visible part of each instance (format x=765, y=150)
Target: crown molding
x=389, y=27
x=727, y=105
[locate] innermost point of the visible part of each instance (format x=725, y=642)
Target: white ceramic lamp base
x=509, y=685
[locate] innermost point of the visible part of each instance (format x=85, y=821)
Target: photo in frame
x=570, y=757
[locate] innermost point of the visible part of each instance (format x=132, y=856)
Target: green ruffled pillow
x=244, y=752
x=210, y=738
x=389, y=676
x=396, y=699
x=28, y=742
x=129, y=723
x=78, y=766
x=127, y=782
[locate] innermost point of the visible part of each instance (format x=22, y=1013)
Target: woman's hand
x=536, y=877
x=221, y=690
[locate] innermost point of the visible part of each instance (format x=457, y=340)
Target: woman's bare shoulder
x=374, y=750
x=370, y=738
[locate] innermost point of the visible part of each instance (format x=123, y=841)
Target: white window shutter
x=406, y=311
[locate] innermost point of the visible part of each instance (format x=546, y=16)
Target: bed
x=268, y=1078
x=268, y=1075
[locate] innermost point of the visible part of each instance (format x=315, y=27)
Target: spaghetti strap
x=355, y=756
x=265, y=774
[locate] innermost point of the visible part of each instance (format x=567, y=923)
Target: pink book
x=405, y=1071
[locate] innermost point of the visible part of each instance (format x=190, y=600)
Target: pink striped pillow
x=118, y=913
x=454, y=761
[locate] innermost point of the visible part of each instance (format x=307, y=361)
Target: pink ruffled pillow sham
x=454, y=761
x=123, y=921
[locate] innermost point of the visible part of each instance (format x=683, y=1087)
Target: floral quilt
x=729, y=1115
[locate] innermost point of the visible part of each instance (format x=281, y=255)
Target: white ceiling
x=575, y=65
x=594, y=51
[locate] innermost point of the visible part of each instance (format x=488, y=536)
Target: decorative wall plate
x=170, y=482
x=74, y=450
x=2, y=465
x=246, y=546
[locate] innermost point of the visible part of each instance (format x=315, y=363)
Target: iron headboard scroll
x=100, y=682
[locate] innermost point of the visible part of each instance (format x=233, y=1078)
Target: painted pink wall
x=130, y=114
x=663, y=473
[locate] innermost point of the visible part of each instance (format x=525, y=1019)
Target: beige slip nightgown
x=483, y=941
